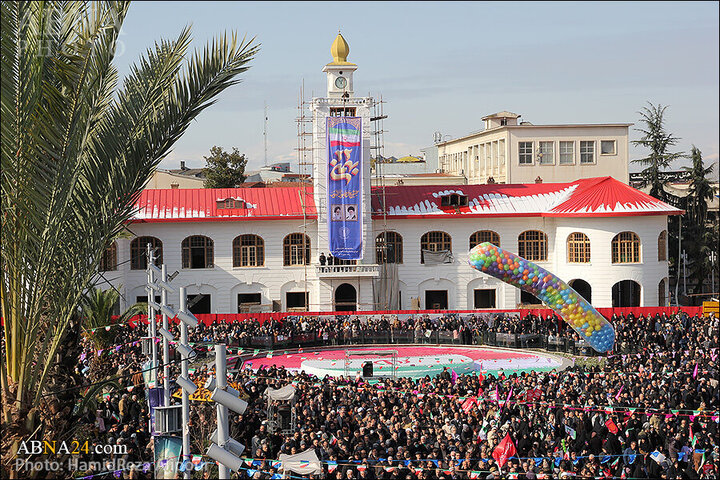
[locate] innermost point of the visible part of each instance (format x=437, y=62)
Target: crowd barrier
x=393, y=337
x=211, y=318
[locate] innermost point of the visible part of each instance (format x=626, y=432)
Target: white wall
x=273, y=280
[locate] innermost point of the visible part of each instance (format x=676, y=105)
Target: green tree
x=77, y=150
x=223, y=169
x=659, y=142
x=700, y=237
x=701, y=190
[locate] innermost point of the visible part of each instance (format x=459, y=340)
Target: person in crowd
x=649, y=409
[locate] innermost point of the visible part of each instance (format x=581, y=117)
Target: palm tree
x=97, y=315
x=77, y=149
x=659, y=142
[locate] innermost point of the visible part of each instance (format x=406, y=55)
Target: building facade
x=510, y=151
x=265, y=249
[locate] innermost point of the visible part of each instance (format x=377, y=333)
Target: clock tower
x=339, y=71
x=336, y=284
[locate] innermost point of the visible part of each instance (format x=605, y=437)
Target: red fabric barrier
x=211, y=318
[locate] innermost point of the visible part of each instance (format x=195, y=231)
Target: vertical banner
x=344, y=187
x=167, y=456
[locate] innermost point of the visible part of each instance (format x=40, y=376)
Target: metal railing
x=550, y=343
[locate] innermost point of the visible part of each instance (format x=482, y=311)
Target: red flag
x=611, y=426
x=504, y=451
x=468, y=404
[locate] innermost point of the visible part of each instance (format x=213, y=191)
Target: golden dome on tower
x=340, y=50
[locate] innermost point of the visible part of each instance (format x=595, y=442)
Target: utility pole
x=265, y=132
x=677, y=266
x=713, y=259
x=151, y=313
x=223, y=428
x=684, y=260
x=166, y=343
x=188, y=387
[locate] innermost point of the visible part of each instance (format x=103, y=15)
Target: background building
x=509, y=151
x=259, y=249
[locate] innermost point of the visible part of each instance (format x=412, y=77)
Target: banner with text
x=344, y=187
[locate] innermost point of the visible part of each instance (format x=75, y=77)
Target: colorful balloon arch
x=552, y=291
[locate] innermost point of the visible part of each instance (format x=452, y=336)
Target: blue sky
x=442, y=66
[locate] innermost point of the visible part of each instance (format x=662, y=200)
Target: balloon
x=552, y=291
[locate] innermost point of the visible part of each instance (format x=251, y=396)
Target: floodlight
x=230, y=401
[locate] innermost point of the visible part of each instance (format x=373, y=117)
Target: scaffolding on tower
x=305, y=169
x=385, y=288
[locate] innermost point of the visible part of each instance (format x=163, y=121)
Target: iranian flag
x=693, y=438
x=344, y=135
x=504, y=451
x=474, y=475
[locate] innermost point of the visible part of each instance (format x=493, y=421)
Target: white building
x=257, y=249
x=509, y=151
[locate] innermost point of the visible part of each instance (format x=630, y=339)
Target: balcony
x=345, y=271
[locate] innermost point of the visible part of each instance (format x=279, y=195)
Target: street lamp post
x=684, y=260
x=713, y=258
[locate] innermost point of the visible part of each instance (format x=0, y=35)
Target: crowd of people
x=650, y=414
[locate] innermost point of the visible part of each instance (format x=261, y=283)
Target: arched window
x=296, y=249
x=389, y=248
x=482, y=236
x=662, y=286
x=532, y=245
x=248, y=251
x=662, y=246
x=435, y=242
x=626, y=248
x=108, y=262
x=138, y=251
x=197, y=252
x=578, y=248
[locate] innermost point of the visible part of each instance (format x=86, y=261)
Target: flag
x=658, y=457
x=504, y=451
x=475, y=474
x=468, y=404
x=453, y=377
x=693, y=438
x=571, y=431
x=331, y=466
x=611, y=426
x=617, y=397
x=695, y=372
x=508, y=396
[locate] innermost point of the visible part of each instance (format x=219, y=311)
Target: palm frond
x=76, y=153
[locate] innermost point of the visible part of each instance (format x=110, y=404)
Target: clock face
x=340, y=82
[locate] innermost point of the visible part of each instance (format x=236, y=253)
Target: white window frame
x=572, y=153
x=532, y=154
x=614, y=152
x=541, y=160
x=594, y=161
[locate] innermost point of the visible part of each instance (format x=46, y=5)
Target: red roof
x=604, y=196
x=590, y=197
x=609, y=197
x=200, y=204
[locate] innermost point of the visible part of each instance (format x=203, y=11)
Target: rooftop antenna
x=265, y=132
